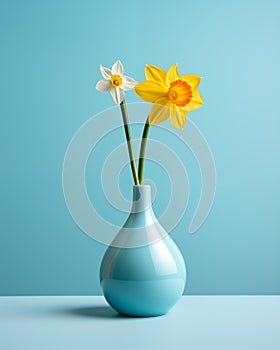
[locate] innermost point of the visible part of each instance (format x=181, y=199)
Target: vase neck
x=141, y=198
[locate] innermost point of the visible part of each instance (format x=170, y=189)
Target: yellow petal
x=193, y=80
x=195, y=102
x=172, y=74
x=159, y=112
x=155, y=73
x=178, y=117
x=150, y=91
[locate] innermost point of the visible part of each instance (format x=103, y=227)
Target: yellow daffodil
x=115, y=81
x=172, y=94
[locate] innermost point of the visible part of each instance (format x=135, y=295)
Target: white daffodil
x=115, y=82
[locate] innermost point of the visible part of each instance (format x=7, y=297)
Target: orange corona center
x=180, y=93
x=116, y=80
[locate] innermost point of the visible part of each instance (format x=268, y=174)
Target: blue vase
x=142, y=272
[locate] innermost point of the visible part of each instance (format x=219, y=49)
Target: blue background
x=50, y=56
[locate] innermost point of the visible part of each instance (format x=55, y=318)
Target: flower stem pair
x=173, y=95
x=138, y=177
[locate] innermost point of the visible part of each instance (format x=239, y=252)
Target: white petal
x=128, y=83
x=117, y=95
x=103, y=85
x=106, y=72
x=117, y=68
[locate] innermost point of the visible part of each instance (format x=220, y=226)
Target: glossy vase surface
x=142, y=272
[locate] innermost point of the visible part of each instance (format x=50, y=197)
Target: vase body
x=142, y=272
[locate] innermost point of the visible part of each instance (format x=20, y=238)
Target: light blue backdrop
x=50, y=54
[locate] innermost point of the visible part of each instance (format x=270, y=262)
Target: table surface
x=84, y=322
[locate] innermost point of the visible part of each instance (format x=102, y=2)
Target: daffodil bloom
x=172, y=94
x=115, y=81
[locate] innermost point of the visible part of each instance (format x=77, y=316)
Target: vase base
x=141, y=315
x=143, y=298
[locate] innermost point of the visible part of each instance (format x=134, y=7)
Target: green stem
x=129, y=142
x=143, y=151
